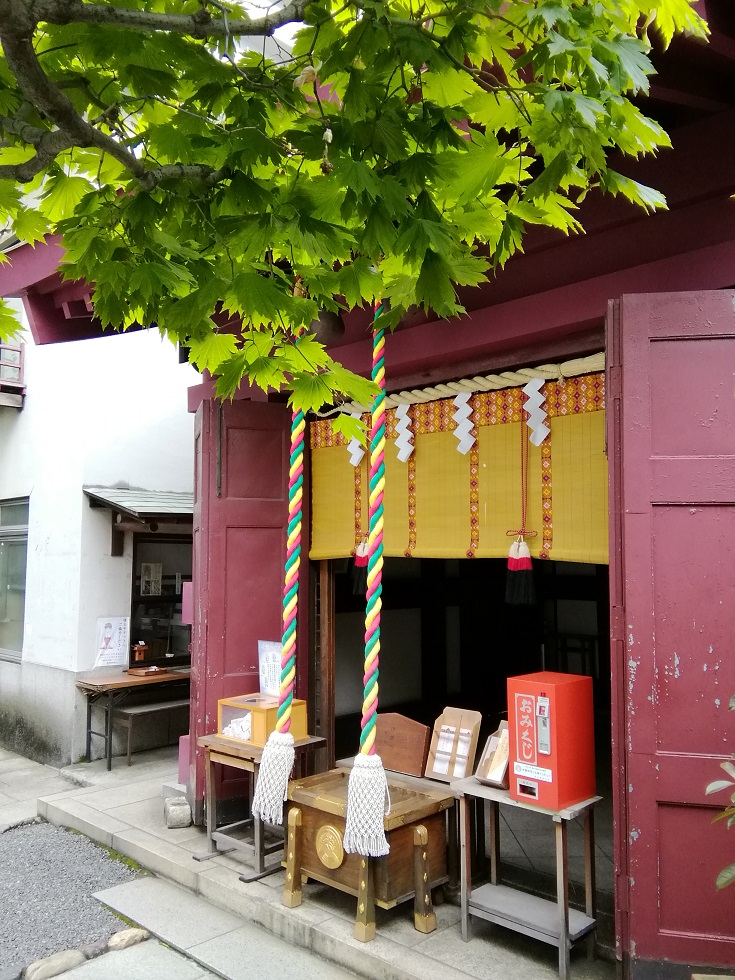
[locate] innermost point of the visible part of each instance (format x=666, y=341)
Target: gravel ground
x=47, y=876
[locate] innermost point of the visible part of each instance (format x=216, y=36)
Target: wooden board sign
x=402, y=743
x=453, y=744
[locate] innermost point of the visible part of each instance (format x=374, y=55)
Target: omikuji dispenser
x=552, y=741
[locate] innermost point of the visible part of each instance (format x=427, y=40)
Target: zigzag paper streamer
x=354, y=447
x=463, y=418
x=404, y=433
x=536, y=414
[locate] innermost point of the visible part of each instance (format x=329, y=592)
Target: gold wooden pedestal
x=417, y=862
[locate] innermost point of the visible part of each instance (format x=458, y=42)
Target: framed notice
x=151, y=574
x=113, y=641
x=269, y=664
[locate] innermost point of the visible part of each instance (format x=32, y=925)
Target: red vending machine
x=552, y=739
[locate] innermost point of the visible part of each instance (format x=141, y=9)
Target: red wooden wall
x=240, y=516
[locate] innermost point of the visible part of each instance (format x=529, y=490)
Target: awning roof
x=142, y=504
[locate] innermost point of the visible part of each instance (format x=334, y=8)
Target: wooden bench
x=126, y=716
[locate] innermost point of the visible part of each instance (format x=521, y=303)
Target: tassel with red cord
x=519, y=585
x=359, y=569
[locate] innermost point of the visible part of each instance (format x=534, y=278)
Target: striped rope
x=291, y=584
x=375, y=547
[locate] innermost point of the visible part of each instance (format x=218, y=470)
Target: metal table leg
x=108, y=729
x=465, y=853
x=90, y=699
x=494, y=833
x=562, y=897
x=452, y=887
x=590, y=900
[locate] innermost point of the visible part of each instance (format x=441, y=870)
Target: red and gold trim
x=358, y=505
x=411, y=475
x=546, y=499
x=474, y=486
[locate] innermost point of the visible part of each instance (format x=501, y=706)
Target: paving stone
x=177, y=813
x=126, y=938
x=146, y=961
x=250, y=953
x=173, y=914
x=91, y=950
x=157, y=855
x=52, y=966
x=13, y=974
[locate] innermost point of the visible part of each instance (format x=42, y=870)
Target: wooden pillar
x=365, y=919
x=424, y=916
x=326, y=658
x=292, y=889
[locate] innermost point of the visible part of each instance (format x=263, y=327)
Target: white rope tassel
x=275, y=770
x=368, y=802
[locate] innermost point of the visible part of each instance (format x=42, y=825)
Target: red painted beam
x=28, y=266
x=429, y=350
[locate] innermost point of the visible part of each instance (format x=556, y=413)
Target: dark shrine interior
x=470, y=640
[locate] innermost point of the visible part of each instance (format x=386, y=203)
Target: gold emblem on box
x=329, y=846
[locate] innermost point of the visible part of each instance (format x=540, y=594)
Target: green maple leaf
x=434, y=286
x=62, y=196
x=10, y=327
x=359, y=281
x=30, y=226
x=350, y=427
x=351, y=385
x=212, y=351
x=307, y=354
x=646, y=197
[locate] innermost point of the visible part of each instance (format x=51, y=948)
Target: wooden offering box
x=415, y=829
x=263, y=712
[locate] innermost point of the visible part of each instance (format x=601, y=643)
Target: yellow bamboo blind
x=442, y=504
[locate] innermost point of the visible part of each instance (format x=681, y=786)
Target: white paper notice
x=444, y=749
x=113, y=641
x=463, y=751
x=269, y=663
x=499, y=761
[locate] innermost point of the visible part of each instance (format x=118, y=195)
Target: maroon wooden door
x=240, y=516
x=671, y=446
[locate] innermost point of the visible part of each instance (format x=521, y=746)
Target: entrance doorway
x=449, y=638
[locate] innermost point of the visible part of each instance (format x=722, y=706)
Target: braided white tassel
x=275, y=770
x=368, y=802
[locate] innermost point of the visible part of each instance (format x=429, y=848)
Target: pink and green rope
x=375, y=547
x=291, y=584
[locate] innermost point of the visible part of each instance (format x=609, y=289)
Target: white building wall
x=104, y=412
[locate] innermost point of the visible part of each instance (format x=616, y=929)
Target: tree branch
x=198, y=25
x=47, y=144
x=16, y=33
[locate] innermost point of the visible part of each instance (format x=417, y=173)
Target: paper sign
x=463, y=750
x=151, y=574
x=269, y=665
x=444, y=749
x=113, y=641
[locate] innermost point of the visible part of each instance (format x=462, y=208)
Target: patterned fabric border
x=358, y=506
x=411, y=470
x=574, y=396
x=571, y=396
x=546, y=499
x=474, y=486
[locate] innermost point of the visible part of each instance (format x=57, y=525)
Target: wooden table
x=416, y=863
x=117, y=687
x=551, y=922
x=219, y=750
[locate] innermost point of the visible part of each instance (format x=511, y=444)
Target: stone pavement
x=21, y=784
x=123, y=809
